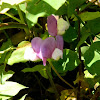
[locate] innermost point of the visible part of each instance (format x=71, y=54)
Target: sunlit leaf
x=10, y=89
x=7, y=75
x=92, y=58
x=40, y=68
x=34, y=11
x=18, y=55
x=88, y=16
x=69, y=62
x=6, y=4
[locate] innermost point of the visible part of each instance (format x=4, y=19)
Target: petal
x=59, y=42
x=36, y=43
x=62, y=25
x=52, y=25
x=30, y=54
x=47, y=48
x=57, y=54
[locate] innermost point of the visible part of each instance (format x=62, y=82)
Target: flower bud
x=52, y=25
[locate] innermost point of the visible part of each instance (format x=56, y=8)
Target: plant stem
x=12, y=25
x=22, y=19
x=20, y=15
x=80, y=65
x=13, y=17
x=59, y=74
x=52, y=82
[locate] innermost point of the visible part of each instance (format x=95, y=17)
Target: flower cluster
x=51, y=47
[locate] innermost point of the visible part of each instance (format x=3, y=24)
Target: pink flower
x=56, y=26
x=44, y=49
x=47, y=48
x=52, y=25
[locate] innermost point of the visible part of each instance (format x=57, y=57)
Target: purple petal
x=52, y=25
x=36, y=43
x=47, y=48
x=59, y=42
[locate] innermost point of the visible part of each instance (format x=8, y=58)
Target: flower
x=44, y=49
x=50, y=47
x=56, y=26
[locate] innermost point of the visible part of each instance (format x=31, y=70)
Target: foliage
x=69, y=46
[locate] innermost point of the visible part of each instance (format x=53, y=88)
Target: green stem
x=20, y=15
x=12, y=25
x=13, y=17
x=59, y=75
x=52, y=82
x=2, y=77
x=22, y=19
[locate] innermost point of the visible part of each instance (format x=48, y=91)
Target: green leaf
x=94, y=26
x=6, y=4
x=23, y=44
x=73, y=4
x=10, y=89
x=18, y=55
x=69, y=62
x=40, y=68
x=92, y=58
x=70, y=35
x=7, y=75
x=85, y=34
x=36, y=9
x=62, y=10
x=85, y=16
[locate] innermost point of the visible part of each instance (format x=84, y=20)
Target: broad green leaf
x=18, y=55
x=40, y=68
x=73, y=4
x=70, y=35
x=6, y=4
x=36, y=9
x=10, y=89
x=62, y=10
x=92, y=58
x=85, y=34
x=87, y=16
x=69, y=62
x=7, y=75
x=94, y=26
x=23, y=44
